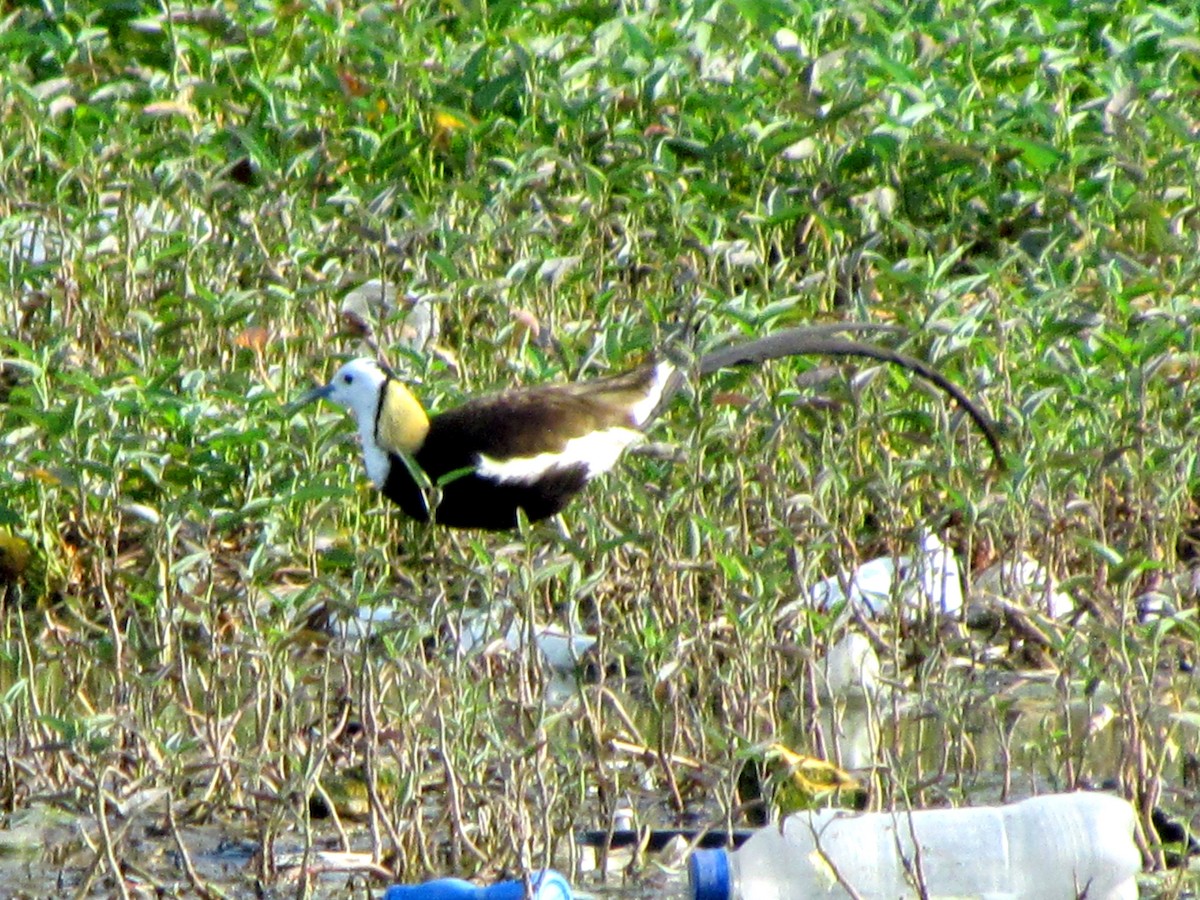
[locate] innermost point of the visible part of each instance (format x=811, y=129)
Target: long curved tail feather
x=823, y=340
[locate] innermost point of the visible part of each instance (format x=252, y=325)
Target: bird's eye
x=348, y=379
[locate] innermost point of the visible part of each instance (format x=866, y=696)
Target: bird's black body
x=473, y=501
x=519, y=424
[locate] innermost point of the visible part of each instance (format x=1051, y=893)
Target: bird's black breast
x=470, y=500
x=467, y=499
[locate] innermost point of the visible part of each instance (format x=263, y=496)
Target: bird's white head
x=355, y=387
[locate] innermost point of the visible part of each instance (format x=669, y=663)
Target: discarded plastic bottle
x=1053, y=847
x=547, y=885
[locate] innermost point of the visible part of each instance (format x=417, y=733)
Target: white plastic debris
x=374, y=302
x=561, y=650
x=1155, y=605
x=366, y=621
x=1025, y=583
x=421, y=325
x=737, y=254
x=850, y=668
x=556, y=268
x=44, y=239
x=30, y=241
x=371, y=301
x=928, y=581
x=805, y=148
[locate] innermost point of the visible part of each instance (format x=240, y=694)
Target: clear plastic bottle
x=1053, y=847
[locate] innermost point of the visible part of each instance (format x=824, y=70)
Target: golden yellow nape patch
x=402, y=423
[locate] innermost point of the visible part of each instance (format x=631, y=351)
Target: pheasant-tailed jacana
x=534, y=448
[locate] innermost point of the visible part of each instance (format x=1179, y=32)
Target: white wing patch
x=641, y=410
x=597, y=452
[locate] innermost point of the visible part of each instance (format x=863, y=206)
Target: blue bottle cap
x=547, y=885
x=442, y=889
x=708, y=873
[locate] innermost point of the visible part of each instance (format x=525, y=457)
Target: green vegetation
x=186, y=194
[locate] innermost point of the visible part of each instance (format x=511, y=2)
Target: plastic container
x=1054, y=847
x=547, y=885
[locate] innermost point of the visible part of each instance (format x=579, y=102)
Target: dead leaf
x=525, y=322
x=254, y=337
x=354, y=324
x=352, y=85
x=730, y=398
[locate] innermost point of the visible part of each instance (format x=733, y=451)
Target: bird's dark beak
x=317, y=393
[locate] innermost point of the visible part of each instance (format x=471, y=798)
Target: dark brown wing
x=536, y=420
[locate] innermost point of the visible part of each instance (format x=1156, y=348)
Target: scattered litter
x=805, y=148
x=371, y=301
x=366, y=621
x=788, y=42
x=1170, y=597
x=1155, y=605
x=367, y=307
x=554, y=269
x=737, y=254
x=928, y=581
x=46, y=239
x=1023, y=582
x=561, y=650
x=545, y=884
x=850, y=668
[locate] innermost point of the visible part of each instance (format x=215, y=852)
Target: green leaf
x=1038, y=155
x=444, y=264
x=1110, y=555
x=685, y=148
x=637, y=40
